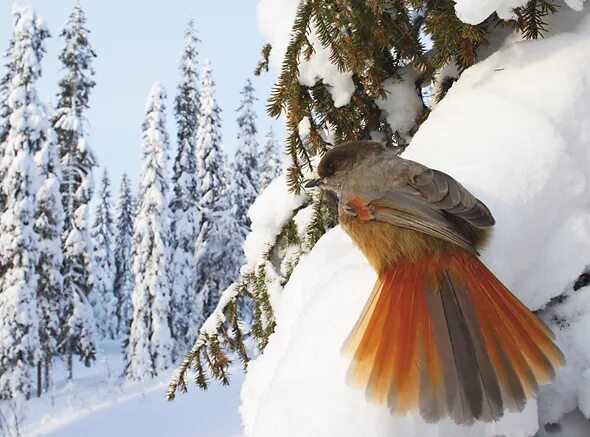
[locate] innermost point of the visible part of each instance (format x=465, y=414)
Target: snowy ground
x=96, y=404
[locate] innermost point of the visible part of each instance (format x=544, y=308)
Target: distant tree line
x=147, y=271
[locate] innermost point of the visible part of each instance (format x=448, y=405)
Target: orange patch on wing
x=362, y=210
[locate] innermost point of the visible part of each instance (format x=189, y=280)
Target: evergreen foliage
x=5, y=114
x=149, y=346
x=78, y=161
x=102, y=298
x=4, y=86
x=531, y=18
x=123, y=282
x=49, y=226
x=187, y=313
x=378, y=42
x=373, y=40
x=246, y=172
x=270, y=160
x=222, y=338
x=244, y=187
x=213, y=204
x=20, y=346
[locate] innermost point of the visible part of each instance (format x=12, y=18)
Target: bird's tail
x=442, y=335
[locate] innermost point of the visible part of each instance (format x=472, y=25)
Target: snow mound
x=523, y=147
x=296, y=388
x=475, y=11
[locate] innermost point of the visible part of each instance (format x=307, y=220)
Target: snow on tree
x=123, y=282
x=49, y=226
x=212, y=263
x=186, y=311
x=267, y=248
x=270, y=160
x=5, y=115
x=102, y=297
x=149, y=347
x=20, y=346
x=77, y=186
x=244, y=180
x=245, y=175
x=4, y=85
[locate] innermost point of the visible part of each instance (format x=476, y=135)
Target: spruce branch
x=223, y=335
x=530, y=18
x=263, y=63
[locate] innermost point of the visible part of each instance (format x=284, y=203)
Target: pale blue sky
x=138, y=43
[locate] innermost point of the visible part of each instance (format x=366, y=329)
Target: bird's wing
x=440, y=191
x=425, y=203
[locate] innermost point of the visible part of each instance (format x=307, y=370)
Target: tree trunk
x=39, y=378
x=69, y=365
x=47, y=374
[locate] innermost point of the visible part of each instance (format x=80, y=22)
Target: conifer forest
x=178, y=268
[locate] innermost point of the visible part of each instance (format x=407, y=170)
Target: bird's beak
x=314, y=183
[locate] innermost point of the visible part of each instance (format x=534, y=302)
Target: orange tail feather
x=443, y=335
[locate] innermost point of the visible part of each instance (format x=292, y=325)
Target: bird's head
x=337, y=164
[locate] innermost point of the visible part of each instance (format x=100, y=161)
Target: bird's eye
x=331, y=168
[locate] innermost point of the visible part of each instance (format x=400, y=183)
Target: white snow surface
x=523, y=147
x=97, y=403
x=475, y=11
x=268, y=214
x=403, y=104
x=296, y=388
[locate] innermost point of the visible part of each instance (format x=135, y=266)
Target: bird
x=439, y=334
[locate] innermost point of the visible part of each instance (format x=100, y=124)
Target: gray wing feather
x=406, y=210
x=427, y=200
x=443, y=192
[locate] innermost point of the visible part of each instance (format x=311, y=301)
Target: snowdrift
x=515, y=130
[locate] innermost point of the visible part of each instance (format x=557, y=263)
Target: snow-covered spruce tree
x=371, y=88
x=270, y=160
x=243, y=188
x=149, y=347
x=5, y=114
x=123, y=282
x=186, y=311
x=212, y=264
x=4, y=84
x=78, y=161
x=20, y=347
x=102, y=297
x=245, y=174
x=49, y=226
